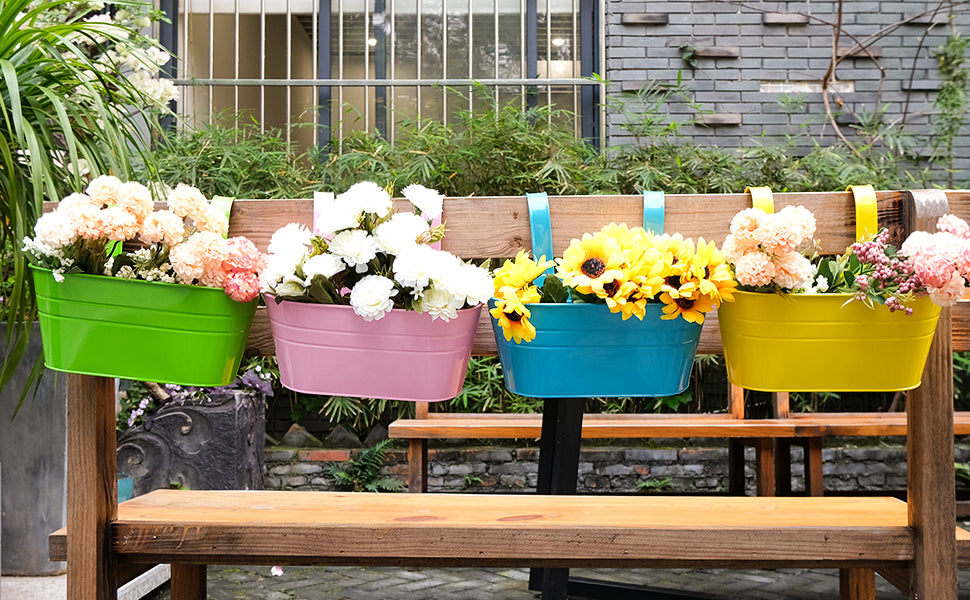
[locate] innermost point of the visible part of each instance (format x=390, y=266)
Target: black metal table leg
x=562, y=431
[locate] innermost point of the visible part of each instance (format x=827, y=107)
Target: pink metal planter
x=328, y=349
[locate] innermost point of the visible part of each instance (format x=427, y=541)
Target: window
x=350, y=65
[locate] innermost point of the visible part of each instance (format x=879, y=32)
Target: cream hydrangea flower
x=400, y=232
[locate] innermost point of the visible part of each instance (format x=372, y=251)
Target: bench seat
x=629, y=426
x=479, y=530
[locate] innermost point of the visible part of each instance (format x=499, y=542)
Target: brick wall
x=607, y=469
x=748, y=56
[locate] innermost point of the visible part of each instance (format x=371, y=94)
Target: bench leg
x=188, y=582
x=813, y=467
x=736, y=467
x=783, y=466
x=418, y=466
x=856, y=584
x=765, y=466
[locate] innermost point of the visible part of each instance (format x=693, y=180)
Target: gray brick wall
x=742, y=49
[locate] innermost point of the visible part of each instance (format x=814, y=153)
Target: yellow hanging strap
x=866, y=211
x=761, y=198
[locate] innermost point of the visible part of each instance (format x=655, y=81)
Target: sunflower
x=520, y=272
x=691, y=308
x=594, y=261
x=624, y=302
x=513, y=317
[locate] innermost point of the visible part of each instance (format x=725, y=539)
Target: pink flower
x=934, y=269
x=136, y=200
x=55, y=229
x=162, y=226
x=211, y=219
x=242, y=287
x=104, y=190
x=792, y=270
x=785, y=231
x=955, y=225
x=200, y=257
x=86, y=218
x=754, y=269
x=243, y=256
x=743, y=226
x=187, y=201
x=733, y=248
x=950, y=292
x=116, y=224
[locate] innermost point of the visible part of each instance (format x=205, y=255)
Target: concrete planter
x=33, y=451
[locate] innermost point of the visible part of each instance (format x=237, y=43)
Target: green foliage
x=54, y=114
x=363, y=473
x=235, y=161
x=951, y=99
x=654, y=485
x=962, y=472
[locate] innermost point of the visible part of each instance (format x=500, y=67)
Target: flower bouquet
x=366, y=289
x=862, y=321
x=570, y=333
x=181, y=288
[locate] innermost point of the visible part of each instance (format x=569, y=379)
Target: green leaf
x=553, y=291
x=322, y=290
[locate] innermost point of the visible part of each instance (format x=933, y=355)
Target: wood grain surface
x=523, y=529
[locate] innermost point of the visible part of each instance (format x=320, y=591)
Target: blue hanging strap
x=541, y=225
x=653, y=212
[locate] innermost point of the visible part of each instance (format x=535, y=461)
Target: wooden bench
x=771, y=472
x=914, y=542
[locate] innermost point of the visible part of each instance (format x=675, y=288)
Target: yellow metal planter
x=821, y=343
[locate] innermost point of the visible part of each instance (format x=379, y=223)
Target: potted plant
x=569, y=333
x=78, y=94
x=79, y=90
x=183, y=288
x=862, y=321
x=367, y=287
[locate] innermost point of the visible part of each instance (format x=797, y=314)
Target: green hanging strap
x=224, y=205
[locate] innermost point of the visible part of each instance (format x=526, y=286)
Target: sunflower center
x=593, y=267
x=513, y=316
x=673, y=281
x=612, y=287
x=684, y=303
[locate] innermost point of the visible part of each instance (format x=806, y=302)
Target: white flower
x=356, y=247
x=371, y=297
x=472, y=285
x=367, y=196
x=400, y=232
x=290, y=286
x=428, y=201
x=439, y=303
x=327, y=265
x=290, y=238
x=331, y=215
x=413, y=267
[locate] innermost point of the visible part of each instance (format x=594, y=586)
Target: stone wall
x=750, y=55
x=608, y=469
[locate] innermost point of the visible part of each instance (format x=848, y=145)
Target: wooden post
x=188, y=582
x=736, y=401
x=856, y=584
x=92, y=488
x=418, y=466
x=812, y=459
x=764, y=450
x=929, y=446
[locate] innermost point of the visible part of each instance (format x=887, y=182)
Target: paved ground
x=318, y=583
x=347, y=583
